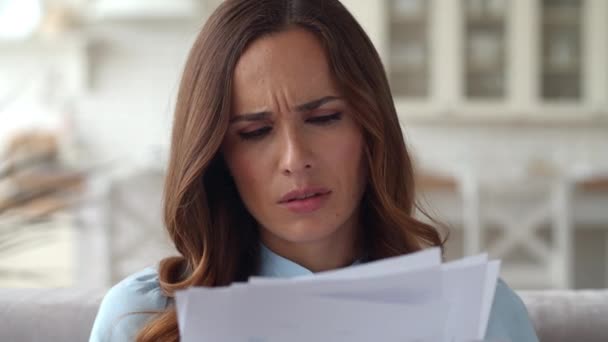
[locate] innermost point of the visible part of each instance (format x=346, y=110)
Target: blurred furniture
x=485, y=48
x=567, y=315
x=518, y=203
x=121, y=231
x=34, y=182
x=409, y=57
x=536, y=210
x=497, y=61
x=67, y=314
x=137, y=236
x=463, y=185
x=539, y=201
x=592, y=182
x=562, y=53
x=37, y=190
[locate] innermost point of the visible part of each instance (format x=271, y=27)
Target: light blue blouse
x=509, y=319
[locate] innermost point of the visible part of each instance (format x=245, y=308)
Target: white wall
x=134, y=79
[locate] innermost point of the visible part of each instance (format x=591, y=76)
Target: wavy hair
x=203, y=213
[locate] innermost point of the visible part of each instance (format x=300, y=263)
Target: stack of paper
x=408, y=298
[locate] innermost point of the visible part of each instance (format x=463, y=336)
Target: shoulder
x=118, y=318
x=509, y=317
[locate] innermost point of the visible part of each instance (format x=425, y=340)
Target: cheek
x=356, y=166
x=245, y=170
x=346, y=158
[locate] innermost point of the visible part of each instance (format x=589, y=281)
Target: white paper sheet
x=462, y=287
x=421, y=259
x=408, y=298
x=256, y=315
x=407, y=287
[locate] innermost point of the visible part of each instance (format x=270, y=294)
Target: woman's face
x=293, y=148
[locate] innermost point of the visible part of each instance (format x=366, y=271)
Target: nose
x=296, y=155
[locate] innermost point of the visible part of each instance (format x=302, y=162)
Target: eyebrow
x=304, y=107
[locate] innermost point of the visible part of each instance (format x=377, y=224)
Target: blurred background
x=503, y=104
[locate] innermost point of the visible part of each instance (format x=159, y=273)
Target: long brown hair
x=203, y=213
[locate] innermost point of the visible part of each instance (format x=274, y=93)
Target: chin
x=306, y=232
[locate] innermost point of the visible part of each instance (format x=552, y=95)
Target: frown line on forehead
x=304, y=107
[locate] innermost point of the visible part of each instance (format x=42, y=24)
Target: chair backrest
x=137, y=237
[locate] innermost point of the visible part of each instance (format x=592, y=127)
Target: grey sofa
x=67, y=314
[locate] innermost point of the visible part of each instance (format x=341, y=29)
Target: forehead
x=291, y=63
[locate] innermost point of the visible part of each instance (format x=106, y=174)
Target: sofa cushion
x=47, y=314
x=563, y=315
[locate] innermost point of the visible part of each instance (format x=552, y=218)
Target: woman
x=286, y=158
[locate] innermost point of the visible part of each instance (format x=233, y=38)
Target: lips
x=303, y=194
x=306, y=200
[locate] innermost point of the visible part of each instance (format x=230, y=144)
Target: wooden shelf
x=594, y=184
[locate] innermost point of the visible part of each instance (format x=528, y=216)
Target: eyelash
x=317, y=120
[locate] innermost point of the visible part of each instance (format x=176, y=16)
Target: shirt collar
x=276, y=266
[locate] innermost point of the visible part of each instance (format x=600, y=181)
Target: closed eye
x=317, y=120
x=255, y=134
x=325, y=119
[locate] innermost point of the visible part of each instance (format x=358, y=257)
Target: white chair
x=120, y=228
x=590, y=180
x=519, y=204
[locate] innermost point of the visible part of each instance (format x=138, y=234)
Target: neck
x=331, y=253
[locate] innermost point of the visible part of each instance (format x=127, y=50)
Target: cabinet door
x=485, y=48
x=561, y=56
x=409, y=52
